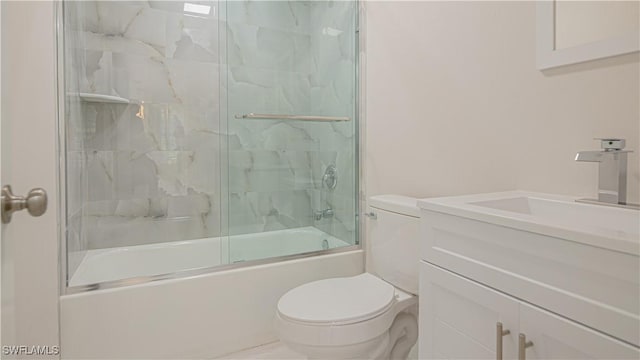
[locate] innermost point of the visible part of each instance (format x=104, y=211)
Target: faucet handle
x=610, y=144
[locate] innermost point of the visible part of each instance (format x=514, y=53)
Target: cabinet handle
x=523, y=344
x=499, y=334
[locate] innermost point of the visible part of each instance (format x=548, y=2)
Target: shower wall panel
x=154, y=152
x=152, y=164
x=295, y=58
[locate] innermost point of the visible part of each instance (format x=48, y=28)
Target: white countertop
x=559, y=216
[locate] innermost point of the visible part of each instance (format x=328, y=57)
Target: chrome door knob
x=35, y=202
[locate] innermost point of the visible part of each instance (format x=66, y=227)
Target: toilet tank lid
x=404, y=205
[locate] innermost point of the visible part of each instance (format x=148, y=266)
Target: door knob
x=35, y=202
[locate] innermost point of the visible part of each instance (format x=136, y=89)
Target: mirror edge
x=548, y=57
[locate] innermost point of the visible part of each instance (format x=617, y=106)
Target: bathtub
x=131, y=262
x=193, y=315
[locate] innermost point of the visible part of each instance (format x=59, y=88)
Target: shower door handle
x=35, y=202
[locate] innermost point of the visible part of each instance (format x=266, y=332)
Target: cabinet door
x=555, y=337
x=458, y=317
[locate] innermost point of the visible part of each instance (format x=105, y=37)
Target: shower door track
x=203, y=271
x=292, y=117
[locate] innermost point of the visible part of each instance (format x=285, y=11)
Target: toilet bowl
x=368, y=316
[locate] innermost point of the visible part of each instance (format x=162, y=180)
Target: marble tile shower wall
x=152, y=165
x=77, y=186
x=333, y=92
x=150, y=171
x=290, y=58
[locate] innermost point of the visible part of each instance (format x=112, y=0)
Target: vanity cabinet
x=591, y=285
x=463, y=319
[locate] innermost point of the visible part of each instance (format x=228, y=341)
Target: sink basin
x=554, y=215
x=575, y=259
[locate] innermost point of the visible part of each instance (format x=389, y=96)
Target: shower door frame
x=62, y=157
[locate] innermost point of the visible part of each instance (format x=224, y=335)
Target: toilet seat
x=299, y=322
x=338, y=301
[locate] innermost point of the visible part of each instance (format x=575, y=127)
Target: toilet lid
x=339, y=300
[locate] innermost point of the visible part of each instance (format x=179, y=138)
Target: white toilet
x=368, y=316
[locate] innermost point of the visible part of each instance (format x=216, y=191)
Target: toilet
x=368, y=316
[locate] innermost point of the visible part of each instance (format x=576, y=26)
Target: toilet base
x=395, y=343
x=373, y=349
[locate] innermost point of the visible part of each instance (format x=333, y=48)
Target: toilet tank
x=393, y=240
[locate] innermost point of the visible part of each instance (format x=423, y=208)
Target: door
x=554, y=337
x=29, y=245
x=291, y=119
x=459, y=318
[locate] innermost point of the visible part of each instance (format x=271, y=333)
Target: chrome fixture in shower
x=330, y=177
x=323, y=214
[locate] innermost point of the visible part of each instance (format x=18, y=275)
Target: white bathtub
x=201, y=316
x=107, y=265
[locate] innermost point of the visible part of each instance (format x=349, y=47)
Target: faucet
x=612, y=171
x=320, y=214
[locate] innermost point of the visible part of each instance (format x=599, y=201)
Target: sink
x=554, y=215
x=575, y=259
x=615, y=221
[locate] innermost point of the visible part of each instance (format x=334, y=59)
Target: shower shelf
x=292, y=117
x=101, y=98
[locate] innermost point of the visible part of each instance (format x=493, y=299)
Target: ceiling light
x=197, y=8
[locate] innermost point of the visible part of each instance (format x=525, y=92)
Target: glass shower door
x=291, y=122
x=199, y=134
x=141, y=139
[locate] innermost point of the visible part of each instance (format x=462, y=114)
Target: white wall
x=455, y=104
x=581, y=22
x=29, y=281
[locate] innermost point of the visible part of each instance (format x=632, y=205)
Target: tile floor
x=277, y=351
x=273, y=351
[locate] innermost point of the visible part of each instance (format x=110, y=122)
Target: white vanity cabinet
x=460, y=318
x=563, y=273
x=555, y=337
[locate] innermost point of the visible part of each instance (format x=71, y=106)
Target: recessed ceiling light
x=197, y=8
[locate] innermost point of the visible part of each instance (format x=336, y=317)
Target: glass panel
x=288, y=58
x=142, y=139
x=156, y=184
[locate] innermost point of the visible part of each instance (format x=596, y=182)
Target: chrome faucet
x=322, y=214
x=612, y=171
